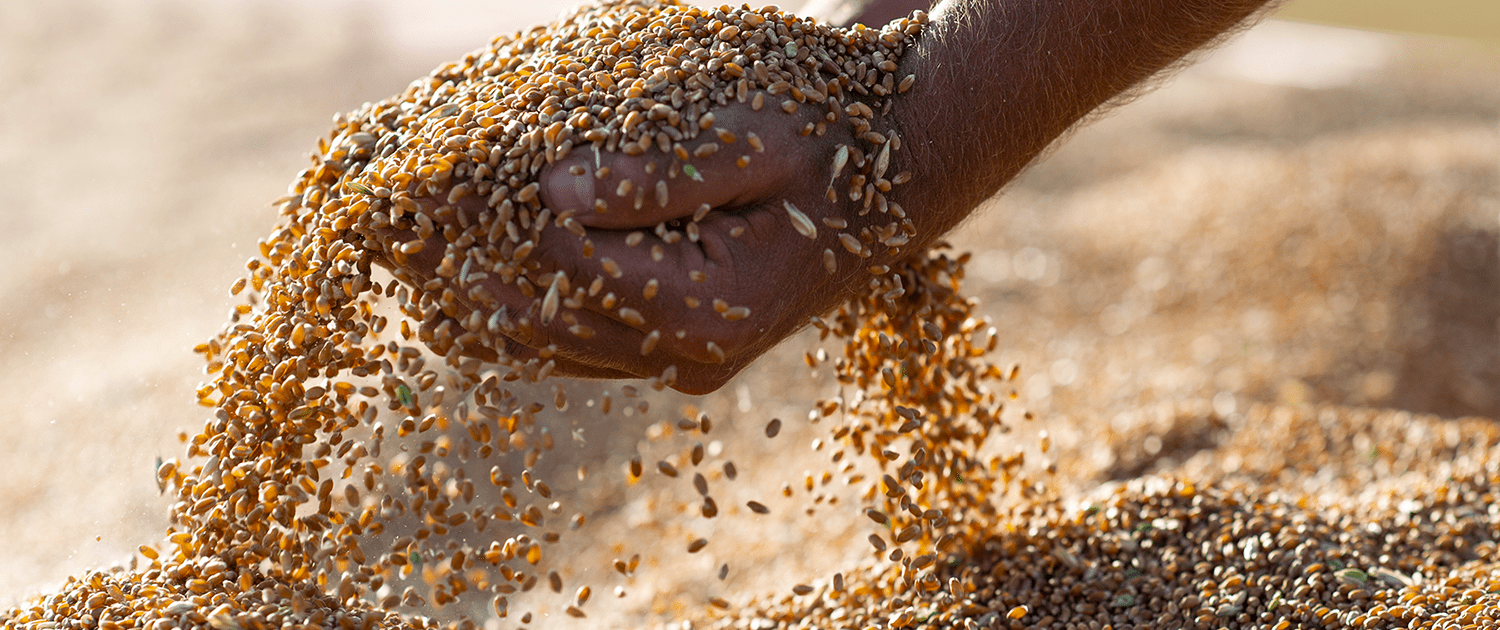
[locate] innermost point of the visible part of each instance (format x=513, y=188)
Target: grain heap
x=1331, y=517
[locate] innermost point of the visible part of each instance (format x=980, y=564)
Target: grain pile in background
x=348, y=471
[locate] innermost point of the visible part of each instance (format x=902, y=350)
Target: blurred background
x=1309, y=215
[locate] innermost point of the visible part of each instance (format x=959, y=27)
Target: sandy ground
x=1310, y=216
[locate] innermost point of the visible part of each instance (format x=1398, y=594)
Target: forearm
x=1000, y=80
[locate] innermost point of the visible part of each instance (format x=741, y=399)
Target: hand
x=705, y=280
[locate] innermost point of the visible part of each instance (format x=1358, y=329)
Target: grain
x=281, y=504
x=800, y=221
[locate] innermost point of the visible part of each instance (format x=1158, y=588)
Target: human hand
x=704, y=279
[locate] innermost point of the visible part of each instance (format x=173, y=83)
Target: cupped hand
x=689, y=268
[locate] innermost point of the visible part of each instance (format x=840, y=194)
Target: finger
x=720, y=301
x=585, y=343
x=512, y=323
x=572, y=337
x=517, y=353
x=741, y=155
x=589, y=335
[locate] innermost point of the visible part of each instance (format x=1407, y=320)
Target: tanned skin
x=998, y=82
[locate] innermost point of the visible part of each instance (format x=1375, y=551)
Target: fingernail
x=566, y=191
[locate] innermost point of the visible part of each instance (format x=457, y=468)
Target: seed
x=649, y=343
x=800, y=221
x=1017, y=612
x=755, y=142
x=773, y=427
x=802, y=589
x=851, y=243
x=528, y=193
x=661, y=193
x=700, y=483
x=840, y=158
x=631, y=317
x=830, y=262
x=730, y=472
x=666, y=469
x=551, y=301
x=611, y=267
x=697, y=545
x=757, y=507
x=582, y=596
x=882, y=162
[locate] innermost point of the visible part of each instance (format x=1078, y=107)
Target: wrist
x=922, y=115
